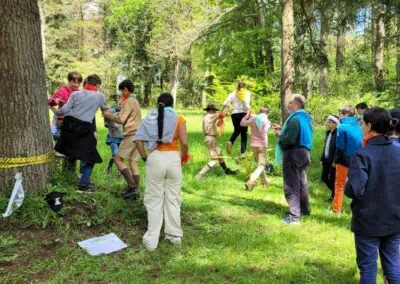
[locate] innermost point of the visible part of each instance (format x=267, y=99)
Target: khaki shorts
x=212, y=146
x=127, y=149
x=260, y=155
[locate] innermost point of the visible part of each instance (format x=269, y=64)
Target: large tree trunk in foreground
x=287, y=55
x=378, y=13
x=24, y=117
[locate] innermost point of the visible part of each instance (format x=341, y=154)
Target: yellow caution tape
x=6, y=163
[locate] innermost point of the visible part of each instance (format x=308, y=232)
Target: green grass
x=230, y=235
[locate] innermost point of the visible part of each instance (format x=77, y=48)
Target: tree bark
x=398, y=57
x=148, y=83
x=175, y=77
x=326, y=15
x=24, y=119
x=287, y=66
x=269, y=57
x=340, y=50
x=378, y=11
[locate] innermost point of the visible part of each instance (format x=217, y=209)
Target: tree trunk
x=340, y=50
x=326, y=15
x=80, y=33
x=398, y=58
x=269, y=57
x=287, y=69
x=148, y=82
x=23, y=100
x=379, y=45
x=175, y=78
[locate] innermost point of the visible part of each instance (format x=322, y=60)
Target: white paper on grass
x=17, y=196
x=103, y=245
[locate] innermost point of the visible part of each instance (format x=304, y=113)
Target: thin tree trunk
x=379, y=46
x=287, y=66
x=23, y=99
x=175, y=78
x=398, y=58
x=326, y=14
x=80, y=33
x=340, y=50
x=269, y=57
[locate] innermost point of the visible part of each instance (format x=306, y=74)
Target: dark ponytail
x=395, y=122
x=164, y=100
x=160, y=120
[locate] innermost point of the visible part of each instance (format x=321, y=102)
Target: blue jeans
x=367, y=256
x=86, y=171
x=114, y=149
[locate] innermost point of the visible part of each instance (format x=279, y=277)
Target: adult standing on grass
x=163, y=130
x=130, y=117
x=373, y=185
x=348, y=140
x=78, y=137
x=240, y=101
x=293, y=149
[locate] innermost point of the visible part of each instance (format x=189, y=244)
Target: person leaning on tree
x=130, y=117
x=293, y=150
x=78, y=137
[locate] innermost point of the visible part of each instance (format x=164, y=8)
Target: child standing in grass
x=328, y=171
x=210, y=133
x=114, y=137
x=259, y=142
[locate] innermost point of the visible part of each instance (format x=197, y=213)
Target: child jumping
x=260, y=125
x=210, y=133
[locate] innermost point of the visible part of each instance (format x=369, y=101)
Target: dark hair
x=240, y=85
x=93, y=79
x=362, y=106
x=347, y=110
x=164, y=100
x=74, y=75
x=379, y=118
x=128, y=84
x=84, y=82
x=395, y=122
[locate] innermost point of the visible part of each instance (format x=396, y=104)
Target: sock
x=128, y=177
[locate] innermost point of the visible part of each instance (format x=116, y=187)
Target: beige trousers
x=213, y=149
x=260, y=155
x=162, y=197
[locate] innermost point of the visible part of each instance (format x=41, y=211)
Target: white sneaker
x=174, y=240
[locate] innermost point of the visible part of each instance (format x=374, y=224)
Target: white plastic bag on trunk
x=17, y=196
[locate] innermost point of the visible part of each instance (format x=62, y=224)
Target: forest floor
x=230, y=235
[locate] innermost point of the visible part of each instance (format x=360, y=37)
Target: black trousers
x=237, y=129
x=295, y=162
x=328, y=176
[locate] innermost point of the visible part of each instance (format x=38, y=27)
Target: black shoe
x=307, y=213
x=131, y=193
x=88, y=188
x=228, y=171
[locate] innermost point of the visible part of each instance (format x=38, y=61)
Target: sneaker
x=147, y=247
x=330, y=211
x=306, y=213
x=174, y=240
x=229, y=147
x=289, y=221
x=131, y=193
x=242, y=156
x=59, y=155
x=231, y=172
x=249, y=185
x=88, y=188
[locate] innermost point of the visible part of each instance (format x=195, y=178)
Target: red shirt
x=62, y=94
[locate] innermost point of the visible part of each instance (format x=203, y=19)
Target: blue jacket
x=374, y=186
x=348, y=140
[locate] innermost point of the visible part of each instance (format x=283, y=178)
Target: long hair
x=240, y=85
x=164, y=100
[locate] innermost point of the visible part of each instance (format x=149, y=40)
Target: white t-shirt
x=238, y=106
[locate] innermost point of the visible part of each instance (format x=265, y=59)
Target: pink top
x=258, y=138
x=62, y=94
